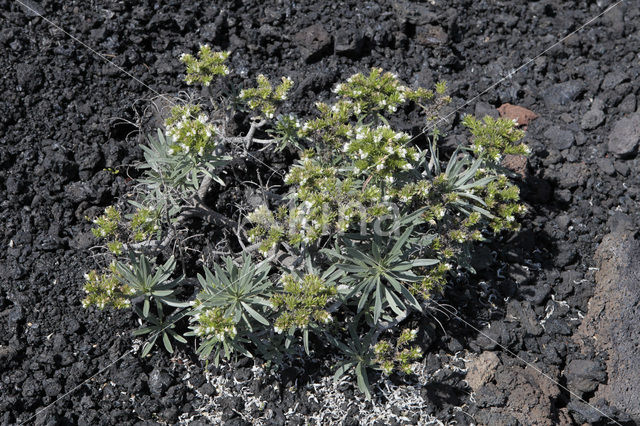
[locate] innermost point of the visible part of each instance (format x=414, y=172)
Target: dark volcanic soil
x=66, y=116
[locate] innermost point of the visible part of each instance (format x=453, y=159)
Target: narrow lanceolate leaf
x=142, y=331
x=145, y=307
x=377, y=309
x=255, y=314
x=305, y=340
x=341, y=370
x=354, y=269
x=395, y=303
x=424, y=262
x=167, y=342
x=363, y=380
x=177, y=337
x=397, y=247
x=146, y=348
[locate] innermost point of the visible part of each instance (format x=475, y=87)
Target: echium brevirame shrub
x=372, y=223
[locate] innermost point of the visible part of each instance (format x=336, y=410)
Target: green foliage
x=301, y=302
x=265, y=98
x=172, y=178
x=286, y=132
x=378, y=272
x=106, y=289
x=107, y=224
x=204, y=68
x=231, y=307
x=190, y=130
x=368, y=227
x=398, y=357
x=495, y=137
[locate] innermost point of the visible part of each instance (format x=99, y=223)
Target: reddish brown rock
x=517, y=164
x=522, y=115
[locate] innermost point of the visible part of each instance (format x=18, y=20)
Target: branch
x=246, y=140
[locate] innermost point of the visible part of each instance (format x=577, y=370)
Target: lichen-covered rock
x=611, y=323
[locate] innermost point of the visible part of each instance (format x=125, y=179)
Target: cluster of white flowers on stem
x=191, y=131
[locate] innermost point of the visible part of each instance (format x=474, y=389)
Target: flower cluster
x=286, y=131
x=144, y=222
x=265, y=98
x=204, y=68
x=301, y=302
x=138, y=226
x=503, y=197
x=380, y=151
x=400, y=356
x=107, y=224
x=494, y=138
x=378, y=92
x=213, y=322
x=433, y=281
x=190, y=130
x=106, y=289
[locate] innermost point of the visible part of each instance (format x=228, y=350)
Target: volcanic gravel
x=66, y=116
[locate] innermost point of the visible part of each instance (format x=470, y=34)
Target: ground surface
x=63, y=115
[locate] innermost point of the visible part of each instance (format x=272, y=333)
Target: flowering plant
x=365, y=229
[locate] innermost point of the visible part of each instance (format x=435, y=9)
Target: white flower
x=337, y=88
x=389, y=179
x=380, y=166
x=277, y=329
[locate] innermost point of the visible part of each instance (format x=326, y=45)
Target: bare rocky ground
x=549, y=321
